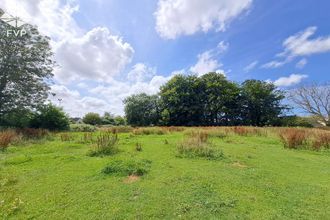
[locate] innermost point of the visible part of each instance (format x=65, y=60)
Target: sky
x=107, y=50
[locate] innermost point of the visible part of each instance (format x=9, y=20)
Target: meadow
x=166, y=173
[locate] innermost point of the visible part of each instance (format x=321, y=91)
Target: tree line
x=209, y=100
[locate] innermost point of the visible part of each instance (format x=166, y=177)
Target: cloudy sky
x=107, y=50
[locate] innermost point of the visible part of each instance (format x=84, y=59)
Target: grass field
x=254, y=178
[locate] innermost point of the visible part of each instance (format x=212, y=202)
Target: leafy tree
x=261, y=103
x=181, y=99
x=142, y=110
x=119, y=120
x=92, y=119
x=221, y=101
x=50, y=117
x=26, y=66
x=108, y=119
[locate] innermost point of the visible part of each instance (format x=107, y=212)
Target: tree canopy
x=209, y=100
x=26, y=66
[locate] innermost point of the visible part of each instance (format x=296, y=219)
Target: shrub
x=128, y=167
x=198, y=146
x=50, y=117
x=149, y=131
x=106, y=144
x=6, y=138
x=92, y=119
x=82, y=128
x=293, y=138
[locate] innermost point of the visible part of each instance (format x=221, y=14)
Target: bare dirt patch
x=131, y=179
x=239, y=165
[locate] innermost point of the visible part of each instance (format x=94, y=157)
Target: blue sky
x=109, y=49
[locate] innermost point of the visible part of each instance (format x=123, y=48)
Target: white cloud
x=302, y=63
x=76, y=105
x=300, y=45
x=186, y=17
x=291, y=80
x=251, y=66
x=222, y=47
x=141, y=72
x=97, y=55
x=205, y=64
x=52, y=18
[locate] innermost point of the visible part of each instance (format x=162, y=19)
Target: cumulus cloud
x=52, y=18
x=205, y=64
x=300, y=45
x=186, y=17
x=141, y=72
x=97, y=55
x=291, y=80
x=76, y=105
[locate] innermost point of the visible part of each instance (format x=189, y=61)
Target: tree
x=221, y=99
x=26, y=66
x=313, y=99
x=261, y=103
x=119, y=120
x=108, y=119
x=50, y=117
x=182, y=101
x=92, y=118
x=142, y=110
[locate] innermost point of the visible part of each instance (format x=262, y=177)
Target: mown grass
x=258, y=179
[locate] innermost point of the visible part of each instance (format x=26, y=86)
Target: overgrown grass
x=258, y=179
x=6, y=138
x=106, y=144
x=197, y=144
x=149, y=131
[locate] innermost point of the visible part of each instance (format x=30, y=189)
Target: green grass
x=257, y=179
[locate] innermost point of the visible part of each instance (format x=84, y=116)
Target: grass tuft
x=128, y=167
x=293, y=138
x=106, y=144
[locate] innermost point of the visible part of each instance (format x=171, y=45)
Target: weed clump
x=106, y=144
x=321, y=140
x=128, y=167
x=82, y=128
x=293, y=138
x=6, y=138
x=33, y=133
x=138, y=147
x=198, y=145
x=66, y=137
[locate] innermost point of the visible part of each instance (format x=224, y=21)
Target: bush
x=293, y=138
x=50, y=117
x=198, y=146
x=6, y=138
x=82, y=128
x=106, y=144
x=92, y=119
x=128, y=167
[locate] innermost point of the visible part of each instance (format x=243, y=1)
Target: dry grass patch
x=6, y=138
x=294, y=138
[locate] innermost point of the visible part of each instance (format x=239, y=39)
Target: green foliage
x=26, y=66
x=295, y=121
x=261, y=103
x=50, y=117
x=142, y=110
x=82, y=128
x=92, y=119
x=128, y=167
